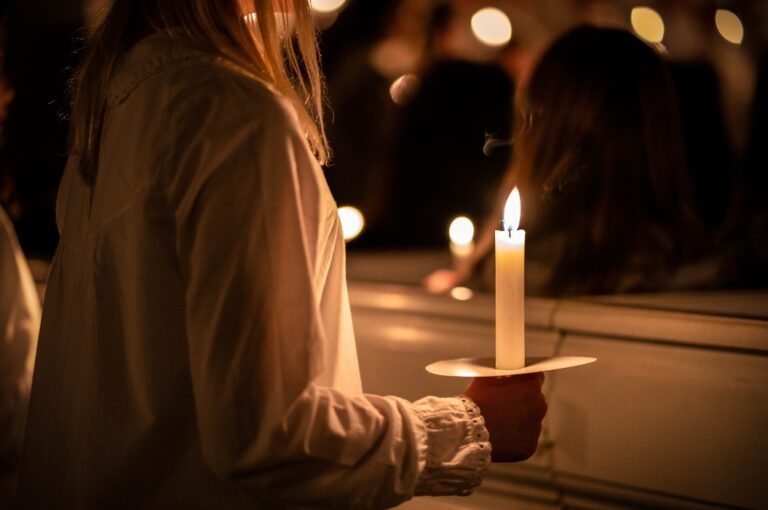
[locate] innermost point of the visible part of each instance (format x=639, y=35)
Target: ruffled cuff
x=457, y=451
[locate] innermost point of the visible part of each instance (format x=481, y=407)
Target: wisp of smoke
x=492, y=143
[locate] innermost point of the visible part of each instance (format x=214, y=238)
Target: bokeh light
x=352, y=222
x=403, y=88
x=461, y=230
x=729, y=25
x=648, y=24
x=492, y=27
x=462, y=293
x=326, y=6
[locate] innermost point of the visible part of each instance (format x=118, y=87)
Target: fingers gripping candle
x=510, y=289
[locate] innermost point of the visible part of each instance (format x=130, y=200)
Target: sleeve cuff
x=457, y=452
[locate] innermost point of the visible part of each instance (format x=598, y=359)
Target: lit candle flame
x=512, y=211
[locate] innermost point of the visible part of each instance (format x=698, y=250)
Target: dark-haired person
x=196, y=349
x=600, y=164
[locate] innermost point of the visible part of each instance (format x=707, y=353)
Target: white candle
x=510, y=289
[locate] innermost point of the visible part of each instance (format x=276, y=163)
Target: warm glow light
x=326, y=6
x=729, y=25
x=462, y=293
x=405, y=334
x=403, y=87
x=461, y=231
x=492, y=27
x=512, y=211
x=647, y=23
x=352, y=222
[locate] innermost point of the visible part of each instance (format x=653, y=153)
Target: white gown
x=197, y=348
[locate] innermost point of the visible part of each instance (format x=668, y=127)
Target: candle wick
x=509, y=231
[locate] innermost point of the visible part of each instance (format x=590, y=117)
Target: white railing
x=672, y=415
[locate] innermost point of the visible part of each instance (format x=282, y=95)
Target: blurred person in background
x=19, y=325
x=411, y=115
x=196, y=348
x=745, y=243
x=600, y=164
x=7, y=93
x=441, y=165
x=708, y=152
x=41, y=44
x=358, y=59
x=702, y=64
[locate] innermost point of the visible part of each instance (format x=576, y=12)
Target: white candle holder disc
x=486, y=367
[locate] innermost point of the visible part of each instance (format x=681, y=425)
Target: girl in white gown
x=197, y=348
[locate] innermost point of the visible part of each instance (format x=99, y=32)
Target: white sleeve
x=255, y=334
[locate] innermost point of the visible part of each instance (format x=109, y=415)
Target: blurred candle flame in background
x=492, y=27
x=729, y=26
x=352, y=222
x=461, y=231
x=462, y=293
x=648, y=24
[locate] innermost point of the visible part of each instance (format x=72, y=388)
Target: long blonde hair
x=290, y=65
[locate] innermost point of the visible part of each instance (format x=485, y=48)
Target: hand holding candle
x=513, y=409
x=510, y=288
